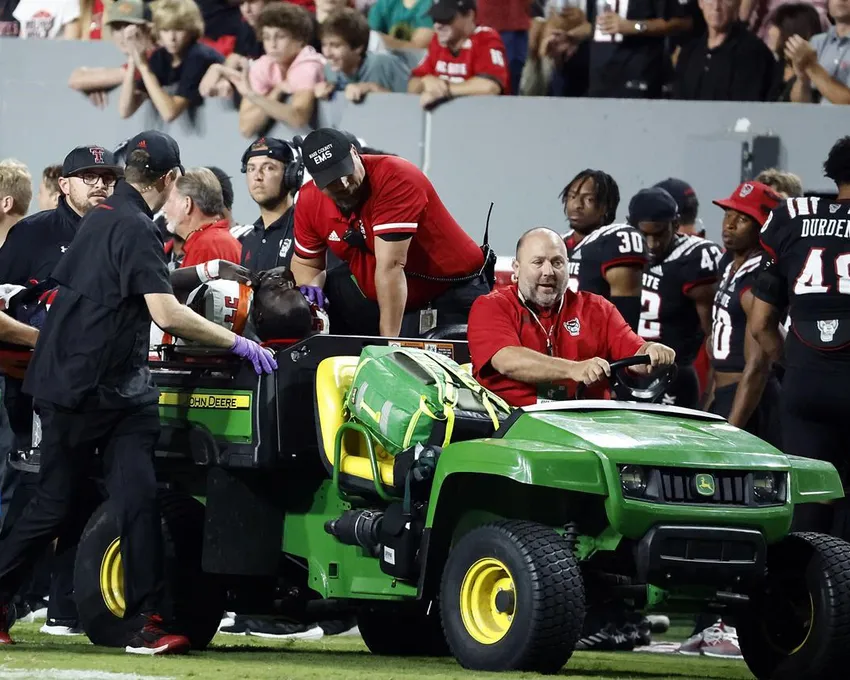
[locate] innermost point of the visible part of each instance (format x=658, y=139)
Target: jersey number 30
x=810, y=279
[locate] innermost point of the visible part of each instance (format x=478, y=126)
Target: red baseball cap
x=752, y=198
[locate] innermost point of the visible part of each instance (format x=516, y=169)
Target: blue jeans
x=516, y=46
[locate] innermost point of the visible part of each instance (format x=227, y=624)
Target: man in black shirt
x=274, y=173
x=36, y=243
x=627, y=56
x=727, y=63
x=94, y=391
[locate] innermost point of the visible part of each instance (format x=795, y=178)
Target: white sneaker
x=312, y=634
x=228, y=619
x=694, y=645
x=723, y=646
x=53, y=627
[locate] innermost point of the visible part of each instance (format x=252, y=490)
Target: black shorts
x=816, y=415
x=764, y=423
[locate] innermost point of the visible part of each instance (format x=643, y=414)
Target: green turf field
x=332, y=658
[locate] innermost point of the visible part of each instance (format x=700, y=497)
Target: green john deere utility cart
x=491, y=549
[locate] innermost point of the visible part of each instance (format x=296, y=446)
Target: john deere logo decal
x=705, y=485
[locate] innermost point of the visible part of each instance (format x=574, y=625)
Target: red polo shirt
x=211, y=242
x=585, y=326
x=401, y=201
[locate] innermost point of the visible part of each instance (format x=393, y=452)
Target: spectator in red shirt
x=414, y=266
x=536, y=340
x=462, y=60
x=195, y=212
x=512, y=19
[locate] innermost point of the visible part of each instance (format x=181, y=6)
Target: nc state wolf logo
x=97, y=153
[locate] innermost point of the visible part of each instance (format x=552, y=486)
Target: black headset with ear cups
x=293, y=172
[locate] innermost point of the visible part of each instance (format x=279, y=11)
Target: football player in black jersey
x=605, y=258
x=808, y=240
x=744, y=392
x=678, y=288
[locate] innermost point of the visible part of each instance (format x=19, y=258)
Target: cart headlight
x=766, y=487
x=633, y=481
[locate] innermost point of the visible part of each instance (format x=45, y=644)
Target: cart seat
x=333, y=378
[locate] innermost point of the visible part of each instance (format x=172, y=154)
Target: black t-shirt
x=246, y=42
x=742, y=68
x=9, y=26
x=183, y=81
x=668, y=315
x=616, y=245
x=92, y=353
x=636, y=63
x=807, y=238
x=267, y=248
x=35, y=245
x=729, y=320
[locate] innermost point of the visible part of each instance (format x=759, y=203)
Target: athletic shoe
x=227, y=620
x=609, y=639
x=153, y=640
x=694, y=644
x=30, y=611
x=282, y=630
x=659, y=622
x=7, y=620
x=63, y=627
x=239, y=626
x=724, y=645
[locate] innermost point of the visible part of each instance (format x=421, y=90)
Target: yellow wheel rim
x=487, y=601
x=112, y=579
x=809, y=628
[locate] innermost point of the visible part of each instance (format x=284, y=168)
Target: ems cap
x=327, y=155
x=128, y=12
x=652, y=205
x=163, y=150
x=752, y=198
x=89, y=158
x=443, y=11
x=270, y=147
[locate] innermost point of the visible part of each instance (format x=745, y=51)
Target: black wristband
x=629, y=307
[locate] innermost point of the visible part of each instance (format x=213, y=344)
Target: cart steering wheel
x=636, y=389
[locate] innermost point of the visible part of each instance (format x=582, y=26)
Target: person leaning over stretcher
x=535, y=340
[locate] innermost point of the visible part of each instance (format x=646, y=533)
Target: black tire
x=545, y=592
x=193, y=598
x=402, y=631
x=798, y=627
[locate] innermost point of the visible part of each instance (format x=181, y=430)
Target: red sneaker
x=6, y=620
x=153, y=640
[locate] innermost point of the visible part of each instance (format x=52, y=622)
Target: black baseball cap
x=682, y=192
x=89, y=158
x=270, y=147
x=327, y=155
x=652, y=205
x=162, y=149
x=226, y=185
x=443, y=11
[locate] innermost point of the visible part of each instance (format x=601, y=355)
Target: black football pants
x=126, y=441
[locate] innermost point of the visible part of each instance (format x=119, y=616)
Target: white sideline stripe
x=57, y=674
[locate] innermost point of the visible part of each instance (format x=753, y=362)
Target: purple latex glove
x=262, y=358
x=314, y=295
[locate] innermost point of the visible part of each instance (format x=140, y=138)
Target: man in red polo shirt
x=536, y=340
x=414, y=266
x=463, y=59
x=195, y=212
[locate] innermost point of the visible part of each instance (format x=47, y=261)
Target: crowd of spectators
x=274, y=59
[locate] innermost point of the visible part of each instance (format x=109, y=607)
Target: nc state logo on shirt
x=573, y=326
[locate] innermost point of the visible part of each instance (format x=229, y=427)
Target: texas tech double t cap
x=89, y=158
x=327, y=156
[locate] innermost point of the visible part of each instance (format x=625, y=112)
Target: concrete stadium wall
x=516, y=152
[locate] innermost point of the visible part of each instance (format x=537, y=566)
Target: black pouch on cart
x=400, y=535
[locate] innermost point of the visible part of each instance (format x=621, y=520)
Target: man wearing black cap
x=678, y=288
x=463, y=59
x=688, y=204
x=94, y=392
x=410, y=259
x=36, y=243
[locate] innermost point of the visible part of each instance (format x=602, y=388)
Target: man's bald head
x=540, y=267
